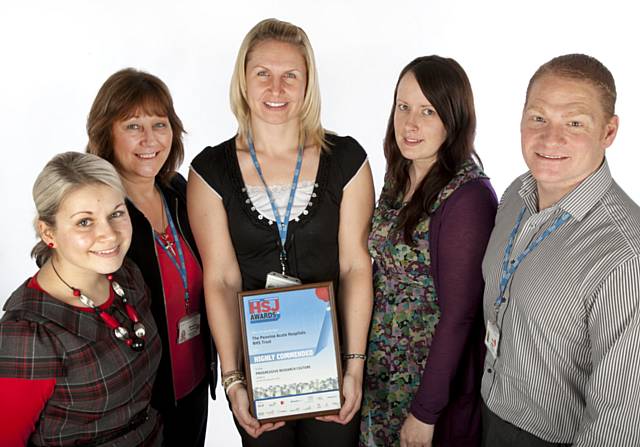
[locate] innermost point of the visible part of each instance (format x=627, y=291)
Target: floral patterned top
x=405, y=316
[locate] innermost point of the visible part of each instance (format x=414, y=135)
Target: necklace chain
x=135, y=341
x=60, y=277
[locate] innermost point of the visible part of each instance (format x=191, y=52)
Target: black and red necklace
x=135, y=341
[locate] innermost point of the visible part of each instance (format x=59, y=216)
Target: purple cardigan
x=449, y=392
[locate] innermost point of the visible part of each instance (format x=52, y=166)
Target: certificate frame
x=276, y=353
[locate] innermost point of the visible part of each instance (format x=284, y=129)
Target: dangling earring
x=50, y=245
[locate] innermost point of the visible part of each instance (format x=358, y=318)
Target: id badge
x=492, y=338
x=188, y=327
x=275, y=279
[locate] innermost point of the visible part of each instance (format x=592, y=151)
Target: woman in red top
x=133, y=125
x=78, y=346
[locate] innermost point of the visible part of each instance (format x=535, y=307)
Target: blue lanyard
x=509, y=268
x=282, y=224
x=178, y=261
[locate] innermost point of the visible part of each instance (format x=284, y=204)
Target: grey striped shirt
x=568, y=366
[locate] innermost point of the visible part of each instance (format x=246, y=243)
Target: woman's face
x=92, y=231
x=141, y=145
x=418, y=128
x=276, y=81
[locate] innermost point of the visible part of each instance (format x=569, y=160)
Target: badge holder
x=275, y=279
x=492, y=338
x=188, y=327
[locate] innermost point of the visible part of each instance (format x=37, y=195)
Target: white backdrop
x=55, y=56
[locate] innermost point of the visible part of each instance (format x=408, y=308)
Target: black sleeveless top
x=312, y=238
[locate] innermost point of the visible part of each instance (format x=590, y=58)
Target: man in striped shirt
x=562, y=273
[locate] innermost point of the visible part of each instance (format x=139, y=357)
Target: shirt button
x=489, y=370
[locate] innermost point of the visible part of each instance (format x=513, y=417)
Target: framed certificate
x=291, y=354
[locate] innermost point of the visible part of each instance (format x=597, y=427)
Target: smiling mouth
x=551, y=157
x=275, y=105
x=147, y=155
x=108, y=252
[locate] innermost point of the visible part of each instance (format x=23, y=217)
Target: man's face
x=564, y=133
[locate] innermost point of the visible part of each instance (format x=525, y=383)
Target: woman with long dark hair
x=429, y=233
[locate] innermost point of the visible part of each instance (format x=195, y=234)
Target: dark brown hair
x=445, y=84
x=124, y=93
x=583, y=68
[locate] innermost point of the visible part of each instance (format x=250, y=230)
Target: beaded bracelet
x=231, y=373
x=228, y=386
x=354, y=356
x=232, y=378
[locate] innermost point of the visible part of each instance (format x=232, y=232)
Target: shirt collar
x=579, y=201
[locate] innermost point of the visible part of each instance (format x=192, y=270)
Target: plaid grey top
x=102, y=386
x=568, y=366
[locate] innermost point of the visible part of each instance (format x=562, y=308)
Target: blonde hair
x=311, y=130
x=583, y=68
x=64, y=174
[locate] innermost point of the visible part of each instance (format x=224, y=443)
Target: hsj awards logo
x=264, y=309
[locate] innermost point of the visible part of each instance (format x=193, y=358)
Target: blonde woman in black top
x=275, y=97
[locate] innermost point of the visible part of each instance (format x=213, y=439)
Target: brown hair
x=125, y=92
x=62, y=175
x=311, y=128
x=584, y=68
x=446, y=85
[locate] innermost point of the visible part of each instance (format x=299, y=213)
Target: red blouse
x=28, y=398
x=187, y=358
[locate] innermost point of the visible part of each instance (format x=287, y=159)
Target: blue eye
x=290, y=75
x=160, y=125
